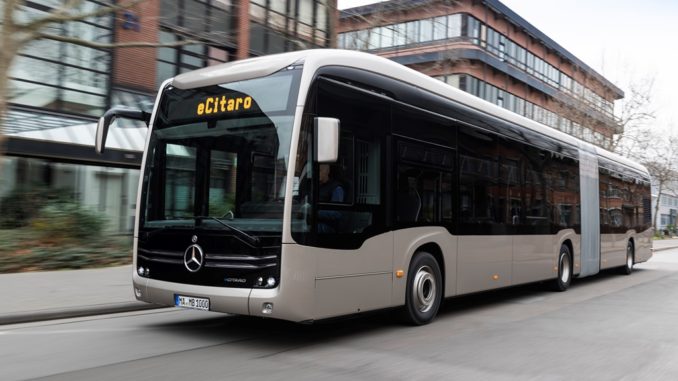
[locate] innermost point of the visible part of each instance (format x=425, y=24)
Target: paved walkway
x=36, y=296
x=664, y=244
x=49, y=295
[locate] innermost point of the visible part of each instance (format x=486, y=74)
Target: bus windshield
x=220, y=153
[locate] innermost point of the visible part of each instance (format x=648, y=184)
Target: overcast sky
x=621, y=39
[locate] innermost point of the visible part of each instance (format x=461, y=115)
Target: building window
x=174, y=61
x=454, y=25
x=461, y=24
x=440, y=28
x=61, y=76
x=399, y=35
x=565, y=83
x=386, y=37
x=473, y=29
x=425, y=30
x=665, y=220
x=451, y=26
x=375, y=38
x=211, y=18
x=279, y=26
x=412, y=32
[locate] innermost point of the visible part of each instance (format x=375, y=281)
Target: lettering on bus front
x=216, y=105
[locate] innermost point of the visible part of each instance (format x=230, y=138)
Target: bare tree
x=663, y=166
x=635, y=112
x=18, y=29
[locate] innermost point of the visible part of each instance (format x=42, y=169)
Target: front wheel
x=564, y=278
x=424, y=289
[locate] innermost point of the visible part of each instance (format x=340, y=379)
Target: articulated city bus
x=321, y=183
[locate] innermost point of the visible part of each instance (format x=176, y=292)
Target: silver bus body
x=317, y=283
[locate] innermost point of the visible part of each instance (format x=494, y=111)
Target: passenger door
x=354, y=260
x=486, y=220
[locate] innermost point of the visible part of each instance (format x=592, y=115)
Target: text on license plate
x=192, y=302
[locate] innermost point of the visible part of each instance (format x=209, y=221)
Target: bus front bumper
x=230, y=300
x=278, y=303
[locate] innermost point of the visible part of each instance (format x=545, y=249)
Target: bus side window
x=425, y=163
x=409, y=199
x=346, y=217
x=424, y=183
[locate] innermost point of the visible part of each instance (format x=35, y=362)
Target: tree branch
x=99, y=45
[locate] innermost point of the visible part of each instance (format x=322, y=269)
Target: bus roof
x=316, y=58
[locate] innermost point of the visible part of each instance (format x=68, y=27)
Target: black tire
x=424, y=289
x=562, y=282
x=627, y=269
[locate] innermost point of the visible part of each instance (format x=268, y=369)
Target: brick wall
x=135, y=67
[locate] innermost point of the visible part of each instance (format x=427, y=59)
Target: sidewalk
x=50, y=295
x=37, y=296
x=664, y=244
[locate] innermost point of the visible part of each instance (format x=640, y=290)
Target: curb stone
x=664, y=248
x=73, y=312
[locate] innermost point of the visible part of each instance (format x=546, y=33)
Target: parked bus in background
x=441, y=193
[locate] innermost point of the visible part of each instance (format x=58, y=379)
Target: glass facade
x=522, y=107
x=275, y=27
x=467, y=28
x=279, y=26
x=56, y=87
x=402, y=34
x=515, y=54
x=210, y=21
x=62, y=76
x=182, y=59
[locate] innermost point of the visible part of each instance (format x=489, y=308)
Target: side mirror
x=116, y=112
x=327, y=139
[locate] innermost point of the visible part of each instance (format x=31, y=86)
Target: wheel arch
x=568, y=242
x=632, y=241
x=437, y=253
x=438, y=243
x=572, y=241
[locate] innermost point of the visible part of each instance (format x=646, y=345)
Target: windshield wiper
x=254, y=240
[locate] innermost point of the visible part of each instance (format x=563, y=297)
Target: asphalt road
x=608, y=327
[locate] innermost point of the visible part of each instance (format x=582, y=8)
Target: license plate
x=192, y=302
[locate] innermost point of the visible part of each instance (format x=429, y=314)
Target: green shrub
x=68, y=220
x=23, y=250
x=24, y=203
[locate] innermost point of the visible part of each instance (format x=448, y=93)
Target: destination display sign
x=223, y=104
x=212, y=103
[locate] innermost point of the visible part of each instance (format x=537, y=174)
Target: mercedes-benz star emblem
x=194, y=258
x=194, y=239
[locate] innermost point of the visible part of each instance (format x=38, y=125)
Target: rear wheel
x=627, y=269
x=564, y=278
x=424, y=289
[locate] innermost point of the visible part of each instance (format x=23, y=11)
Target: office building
x=58, y=90
x=486, y=49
